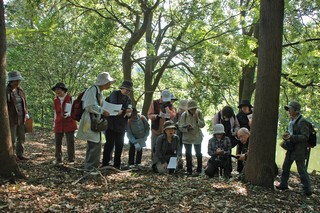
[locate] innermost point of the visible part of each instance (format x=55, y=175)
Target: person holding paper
x=160, y=111
x=117, y=124
x=167, y=149
x=138, y=130
x=63, y=123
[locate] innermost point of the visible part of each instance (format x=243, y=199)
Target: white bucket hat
x=166, y=96
x=218, y=129
x=14, y=76
x=104, y=78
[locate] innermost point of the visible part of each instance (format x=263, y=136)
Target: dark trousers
x=132, y=152
x=197, y=148
x=302, y=170
x=239, y=162
x=214, y=166
x=18, y=138
x=70, y=146
x=113, y=140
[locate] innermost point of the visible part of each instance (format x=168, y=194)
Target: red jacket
x=62, y=124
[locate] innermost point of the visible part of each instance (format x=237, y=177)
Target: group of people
x=171, y=129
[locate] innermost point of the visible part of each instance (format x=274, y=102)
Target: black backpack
x=312, y=140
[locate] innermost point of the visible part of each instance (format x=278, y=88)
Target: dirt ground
x=65, y=188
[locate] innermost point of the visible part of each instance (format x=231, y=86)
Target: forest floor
x=52, y=188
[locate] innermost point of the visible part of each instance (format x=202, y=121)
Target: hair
x=244, y=130
x=227, y=111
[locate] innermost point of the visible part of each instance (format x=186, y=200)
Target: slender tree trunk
x=8, y=165
x=261, y=158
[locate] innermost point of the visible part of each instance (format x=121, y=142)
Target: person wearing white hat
x=160, y=111
x=219, y=148
x=18, y=113
x=92, y=103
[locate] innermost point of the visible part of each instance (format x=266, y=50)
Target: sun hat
x=218, y=129
x=245, y=103
x=165, y=95
x=103, y=78
x=192, y=104
x=127, y=85
x=169, y=125
x=61, y=86
x=183, y=104
x=294, y=105
x=15, y=76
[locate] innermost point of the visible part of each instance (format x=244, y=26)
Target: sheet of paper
x=113, y=109
x=172, y=163
x=164, y=115
x=68, y=108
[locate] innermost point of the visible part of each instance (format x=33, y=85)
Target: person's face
x=125, y=91
x=14, y=84
x=106, y=86
x=170, y=132
x=245, y=109
x=219, y=136
x=243, y=137
x=59, y=92
x=292, y=113
x=193, y=111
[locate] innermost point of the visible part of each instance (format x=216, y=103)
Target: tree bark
x=8, y=165
x=261, y=157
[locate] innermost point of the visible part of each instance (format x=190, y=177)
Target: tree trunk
x=261, y=158
x=8, y=166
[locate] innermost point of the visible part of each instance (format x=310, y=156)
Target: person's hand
x=106, y=114
x=189, y=127
x=195, y=116
x=66, y=114
x=137, y=146
x=242, y=157
x=286, y=136
x=27, y=116
x=120, y=112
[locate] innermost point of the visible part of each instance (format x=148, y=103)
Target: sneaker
x=95, y=173
x=71, y=162
x=131, y=166
x=279, y=187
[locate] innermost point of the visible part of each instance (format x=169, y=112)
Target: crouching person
x=219, y=148
x=167, y=146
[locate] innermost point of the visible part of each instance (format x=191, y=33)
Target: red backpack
x=77, y=110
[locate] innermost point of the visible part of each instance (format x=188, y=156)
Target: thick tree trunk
x=8, y=165
x=261, y=158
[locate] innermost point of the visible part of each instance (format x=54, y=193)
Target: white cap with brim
x=166, y=96
x=104, y=78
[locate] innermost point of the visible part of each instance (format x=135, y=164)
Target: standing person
x=244, y=117
x=160, y=111
x=167, y=146
x=138, y=130
x=298, y=134
x=117, y=124
x=230, y=122
x=63, y=123
x=219, y=148
x=190, y=125
x=18, y=113
x=92, y=103
x=182, y=108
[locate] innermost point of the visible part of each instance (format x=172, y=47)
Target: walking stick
x=308, y=157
